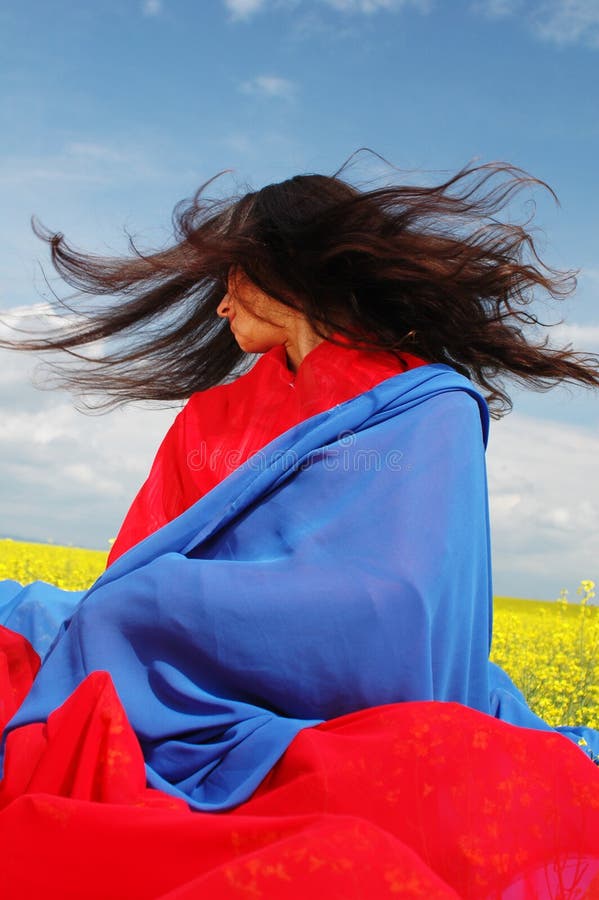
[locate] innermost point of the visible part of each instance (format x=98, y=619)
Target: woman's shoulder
x=436, y=398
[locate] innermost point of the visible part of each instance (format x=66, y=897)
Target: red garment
x=221, y=428
x=412, y=800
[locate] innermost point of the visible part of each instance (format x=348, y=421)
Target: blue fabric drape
x=346, y=565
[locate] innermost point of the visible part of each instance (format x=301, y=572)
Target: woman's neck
x=301, y=341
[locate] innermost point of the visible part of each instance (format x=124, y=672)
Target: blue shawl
x=346, y=565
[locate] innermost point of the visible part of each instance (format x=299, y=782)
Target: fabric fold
x=413, y=799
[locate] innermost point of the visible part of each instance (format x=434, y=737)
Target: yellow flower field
x=69, y=567
x=551, y=650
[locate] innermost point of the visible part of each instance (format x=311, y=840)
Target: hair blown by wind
x=432, y=270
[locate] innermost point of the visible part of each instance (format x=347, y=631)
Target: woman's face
x=257, y=320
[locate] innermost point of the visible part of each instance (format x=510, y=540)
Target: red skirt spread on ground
x=427, y=800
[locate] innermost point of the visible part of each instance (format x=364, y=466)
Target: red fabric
x=413, y=800
x=18, y=667
x=221, y=428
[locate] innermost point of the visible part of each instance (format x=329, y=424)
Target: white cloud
x=79, y=161
x=559, y=22
x=151, y=7
x=41, y=429
x=373, y=6
x=497, y=9
x=544, y=497
x=269, y=86
x=244, y=9
x=68, y=477
x=92, y=150
x=33, y=320
x=22, y=172
x=567, y=21
x=582, y=337
x=16, y=315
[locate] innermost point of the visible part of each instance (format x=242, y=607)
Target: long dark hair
x=429, y=270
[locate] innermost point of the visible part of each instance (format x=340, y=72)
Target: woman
x=311, y=546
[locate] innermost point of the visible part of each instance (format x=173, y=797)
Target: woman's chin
x=243, y=344
x=253, y=346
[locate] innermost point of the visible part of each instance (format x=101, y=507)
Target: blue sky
x=111, y=112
